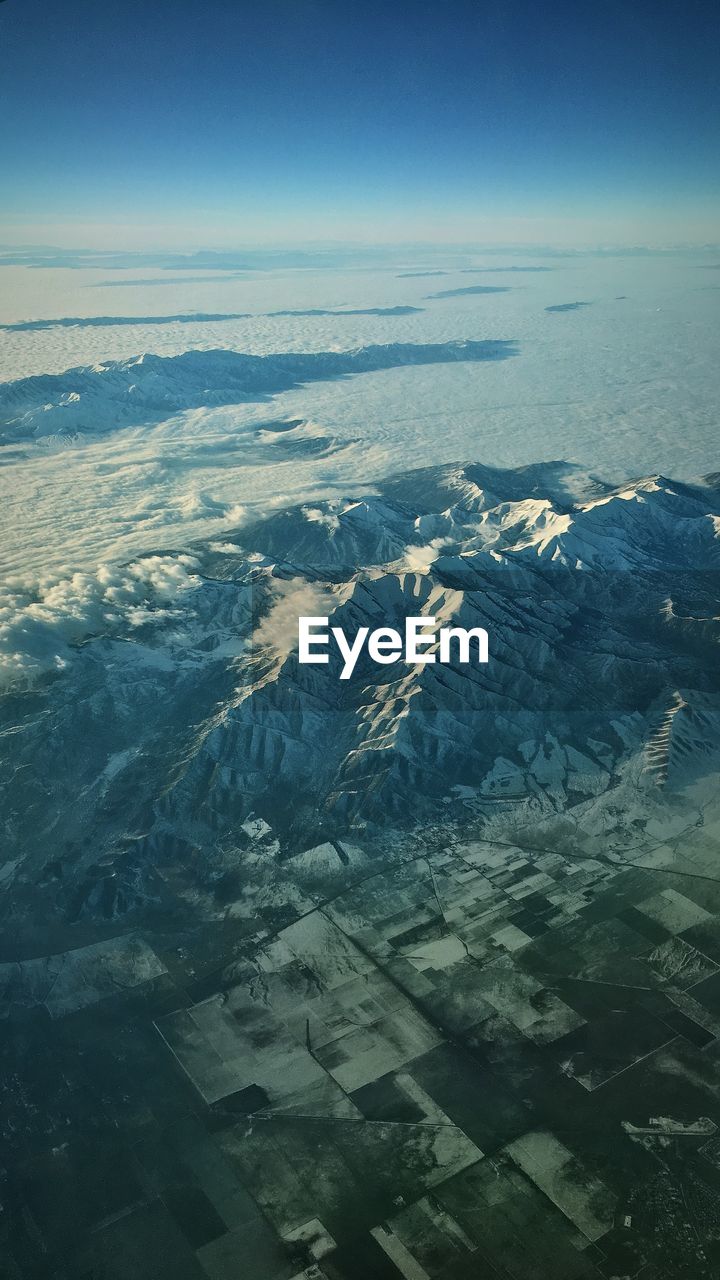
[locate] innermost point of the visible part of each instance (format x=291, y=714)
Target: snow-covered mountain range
x=147, y=388
x=174, y=717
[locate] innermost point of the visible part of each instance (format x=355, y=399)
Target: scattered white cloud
x=419, y=558
x=328, y=519
x=40, y=622
x=293, y=599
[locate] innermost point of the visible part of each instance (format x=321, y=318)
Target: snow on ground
x=626, y=385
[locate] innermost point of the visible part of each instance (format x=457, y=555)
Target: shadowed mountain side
x=230, y=277
x=470, y=290
x=591, y=636
x=103, y=322
x=360, y=311
x=196, y=317
x=568, y=306
x=487, y=271
x=149, y=388
x=468, y=271
x=601, y=689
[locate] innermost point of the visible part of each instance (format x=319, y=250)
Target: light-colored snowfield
x=627, y=385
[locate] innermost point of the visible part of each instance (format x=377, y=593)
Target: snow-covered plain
x=625, y=385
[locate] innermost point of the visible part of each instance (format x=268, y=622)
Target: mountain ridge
x=190, y=715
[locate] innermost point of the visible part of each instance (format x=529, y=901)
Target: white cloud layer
x=627, y=385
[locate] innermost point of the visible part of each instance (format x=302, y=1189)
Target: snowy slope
x=168, y=704
x=148, y=388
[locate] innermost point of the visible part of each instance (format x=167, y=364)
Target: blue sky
x=217, y=124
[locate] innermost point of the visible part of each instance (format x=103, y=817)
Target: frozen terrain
x=625, y=384
x=163, y=699
x=411, y=975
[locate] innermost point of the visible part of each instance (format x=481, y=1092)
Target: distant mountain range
x=99, y=398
